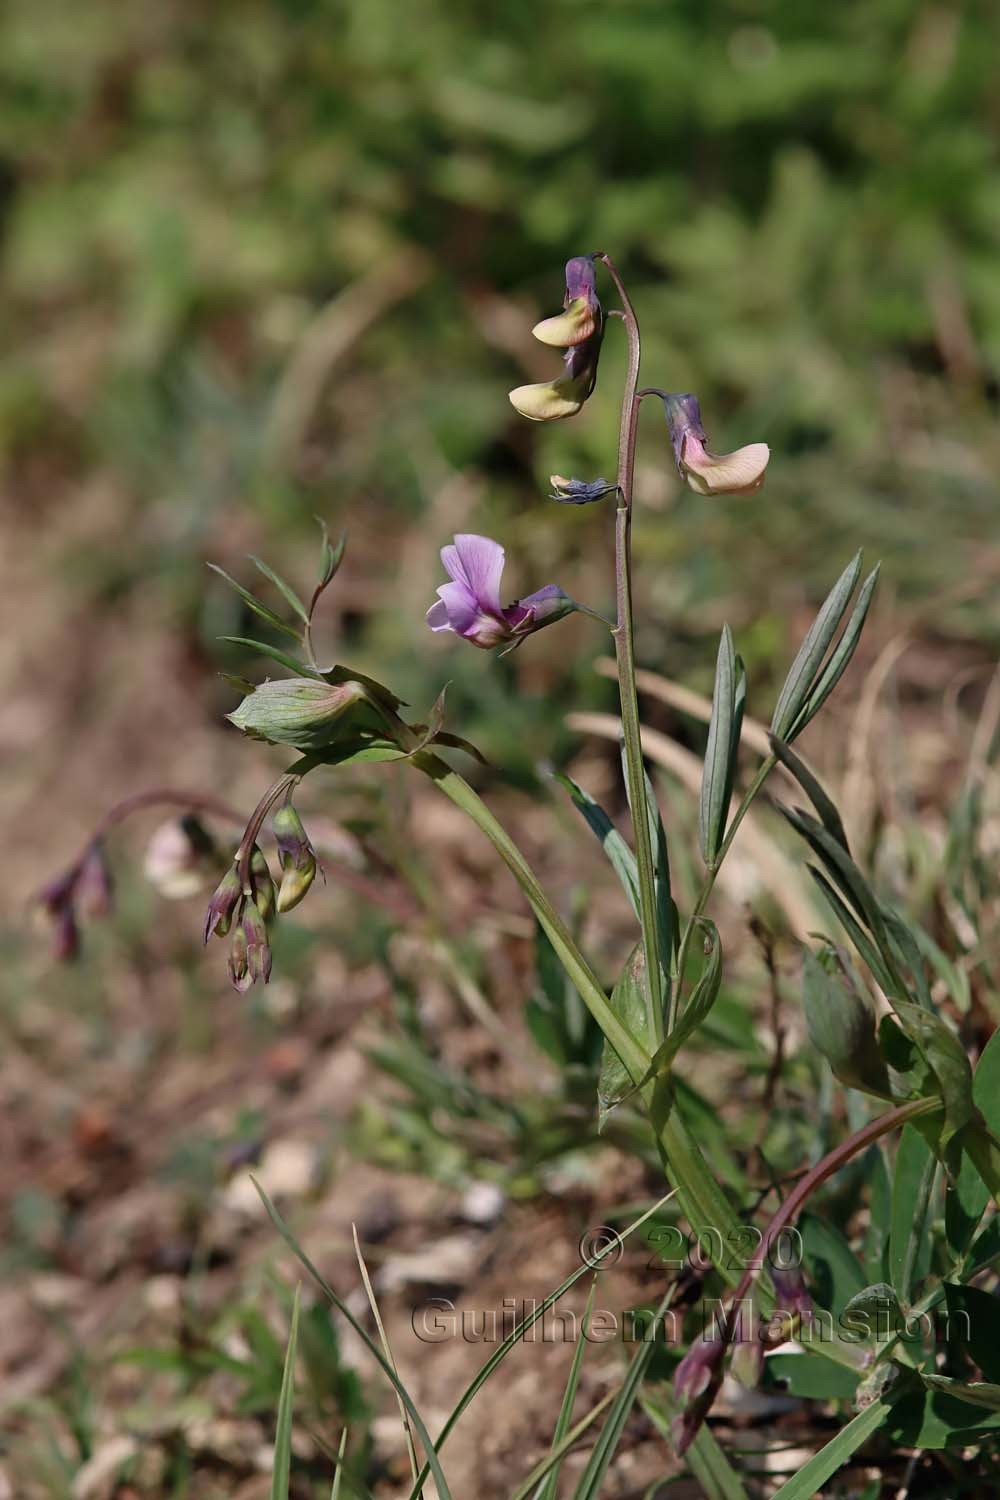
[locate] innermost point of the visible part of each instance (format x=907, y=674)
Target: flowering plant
x=909, y=1058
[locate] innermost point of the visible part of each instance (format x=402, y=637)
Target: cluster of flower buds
x=470, y=605
x=579, y=329
x=246, y=900
x=738, y=473
x=85, y=890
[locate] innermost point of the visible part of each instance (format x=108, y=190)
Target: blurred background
x=267, y=261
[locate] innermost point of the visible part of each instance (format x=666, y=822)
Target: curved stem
x=625, y=653
x=634, y=1056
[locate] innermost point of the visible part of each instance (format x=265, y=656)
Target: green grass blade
x=286, y=1404
x=818, y=1469
x=342, y=1449
x=432, y=1465
x=610, y=1435
x=705, y=1457
x=547, y=1490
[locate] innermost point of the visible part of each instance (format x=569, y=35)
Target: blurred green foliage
x=275, y=256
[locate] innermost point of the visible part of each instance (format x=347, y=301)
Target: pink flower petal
x=477, y=562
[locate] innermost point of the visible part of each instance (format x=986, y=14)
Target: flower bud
x=254, y=930
x=239, y=972
x=181, y=858
x=579, y=491
x=296, y=855
x=226, y=898
x=696, y=1384
x=263, y=885
x=57, y=900
x=738, y=473
x=298, y=711
x=94, y=886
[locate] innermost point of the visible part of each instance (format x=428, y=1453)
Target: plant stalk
x=624, y=639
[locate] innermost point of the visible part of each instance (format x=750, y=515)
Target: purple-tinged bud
x=579, y=491
x=181, y=858
x=254, y=930
x=296, y=855
x=222, y=907
x=57, y=900
x=239, y=972
x=696, y=1384
x=791, y=1298
x=738, y=473
x=264, y=894
x=94, y=885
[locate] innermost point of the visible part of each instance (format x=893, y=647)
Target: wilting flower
x=739, y=473
x=579, y=491
x=181, y=858
x=470, y=605
x=579, y=329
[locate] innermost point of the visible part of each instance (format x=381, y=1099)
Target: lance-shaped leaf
x=909, y=1237
x=724, y=728
x=628, y=1001
x=840, y=657
x=252, y=602
x=946, y=1057
x=809, y=683
x=331, y=555
x=283, y=588
x=828, y=814
x=619, y=854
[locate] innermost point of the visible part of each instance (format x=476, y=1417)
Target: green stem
x=625, y=653
x=635, y=1058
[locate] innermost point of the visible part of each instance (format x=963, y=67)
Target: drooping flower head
x=470, y=604
x=739, y=473
x=579, y=329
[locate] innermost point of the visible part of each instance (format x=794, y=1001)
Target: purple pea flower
x=470, y=604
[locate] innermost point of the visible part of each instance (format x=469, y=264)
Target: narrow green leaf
x=628, y=1002
x=547, y=1491
x=854, y=930
x=841, y=869
x=275, y=653
x=552, y=1462
x=965, y=1200
x=909, y=1236
x=807, y=663
x=946, y=1057
x=824, y=1464
x=717, y=777
x=281, y=1474
x=341, y=1450
x=840, y=658
x=613, y=845
x=816, y=1379
x=252, y=602
x=828, y=814
x=975, y=1392
x=603, y=1450
x=283, y=588
x=705, y=1457
x=986, y=1083
x=330, y=557
x=699, y=1002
